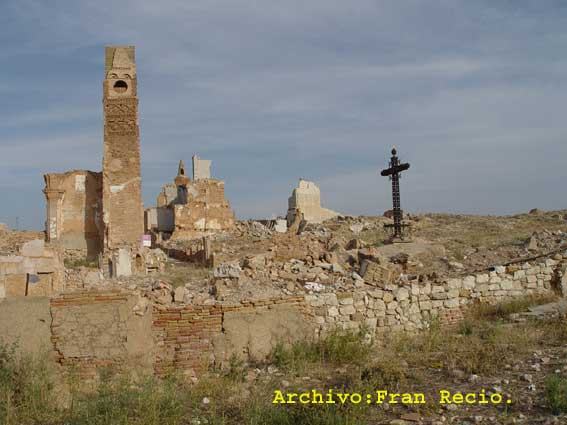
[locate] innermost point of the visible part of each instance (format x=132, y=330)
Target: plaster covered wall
x=95, y=329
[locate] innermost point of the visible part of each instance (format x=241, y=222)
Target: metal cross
x=394, y=173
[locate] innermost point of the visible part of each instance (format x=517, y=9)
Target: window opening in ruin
x=120, y=86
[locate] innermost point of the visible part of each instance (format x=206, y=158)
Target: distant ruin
x=191, y=208
x=306, y=198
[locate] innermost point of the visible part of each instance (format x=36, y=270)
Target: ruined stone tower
x=123, y=215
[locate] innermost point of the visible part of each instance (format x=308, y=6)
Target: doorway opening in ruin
x=120, y=86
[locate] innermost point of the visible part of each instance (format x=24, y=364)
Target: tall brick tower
x=123, y=215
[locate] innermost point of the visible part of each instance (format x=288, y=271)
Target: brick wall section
x=184, y=335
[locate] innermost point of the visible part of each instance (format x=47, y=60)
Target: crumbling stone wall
x=206, y=209
x=412, y=306
x=191, y=208
x=74, y=210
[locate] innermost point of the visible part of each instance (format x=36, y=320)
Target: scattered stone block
x=227, y=270
x=179, y=294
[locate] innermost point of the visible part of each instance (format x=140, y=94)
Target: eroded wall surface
x=191, y=338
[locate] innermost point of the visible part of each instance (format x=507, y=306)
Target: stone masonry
x=201, y=168
x=412, y=306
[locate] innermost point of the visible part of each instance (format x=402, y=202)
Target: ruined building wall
x=190, y=207
x=122, y=198
x=191, y=338
x=74, y=210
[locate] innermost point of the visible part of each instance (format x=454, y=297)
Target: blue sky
x=471, y=92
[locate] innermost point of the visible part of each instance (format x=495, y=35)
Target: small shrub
x=556, y=392
x=388, y=372
x=236, y=369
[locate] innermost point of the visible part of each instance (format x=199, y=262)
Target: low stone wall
x=412, y=306
x=87, y=331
